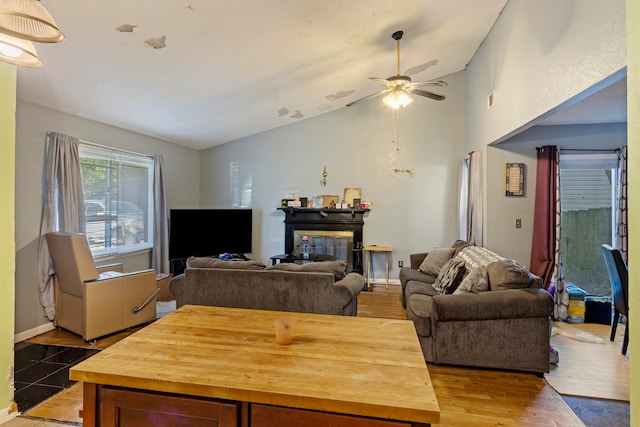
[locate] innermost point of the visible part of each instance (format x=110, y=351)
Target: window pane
x=587, y=212
x=118, y=200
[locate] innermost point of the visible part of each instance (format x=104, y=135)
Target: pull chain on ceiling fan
x=399, y=87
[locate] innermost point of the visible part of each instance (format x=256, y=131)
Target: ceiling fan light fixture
x=28, y=20
x=18, y=52
x=397, y=99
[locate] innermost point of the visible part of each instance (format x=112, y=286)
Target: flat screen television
x=209, y=232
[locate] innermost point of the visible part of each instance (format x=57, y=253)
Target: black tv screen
x=209, y=232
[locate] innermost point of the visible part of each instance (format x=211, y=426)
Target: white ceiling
x=235, y=68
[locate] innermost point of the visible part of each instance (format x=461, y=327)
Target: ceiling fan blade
x=373, y=95
x=381, y=80
x=431, y=95
x=429, y=83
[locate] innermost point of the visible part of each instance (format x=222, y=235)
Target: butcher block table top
x=342, y=364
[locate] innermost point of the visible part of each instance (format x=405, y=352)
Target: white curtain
x=561, y=295
x=621, y=204
x=475, y=220
x=463, y=200
x=62, y=206
x=160, y=255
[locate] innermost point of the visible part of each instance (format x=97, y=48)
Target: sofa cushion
x=450, y=276
x=508, y=274
x=417, y=287
x=476, y=281
x=208, y=262
x=337, y=268
x=435, y=259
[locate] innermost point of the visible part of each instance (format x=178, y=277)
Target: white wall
x=357, y=145
x=33, y=122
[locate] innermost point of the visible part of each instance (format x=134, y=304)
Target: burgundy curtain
x=544, y=219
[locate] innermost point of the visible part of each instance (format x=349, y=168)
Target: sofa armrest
x=177, y=284
x=416, y=259
x=506, y=304
x=352, y=283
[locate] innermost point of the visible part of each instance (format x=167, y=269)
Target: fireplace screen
x=336, y=243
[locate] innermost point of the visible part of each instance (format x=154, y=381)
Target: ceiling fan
x=399, y=87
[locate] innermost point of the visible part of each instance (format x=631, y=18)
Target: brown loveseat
x=320, y=287
x=472, y=307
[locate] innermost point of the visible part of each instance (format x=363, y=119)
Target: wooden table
x=223, y=363
x=375, y=248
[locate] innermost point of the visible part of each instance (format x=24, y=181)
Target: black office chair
x=618, y=276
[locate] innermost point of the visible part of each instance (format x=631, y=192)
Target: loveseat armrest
x=416, y=259
x=352, y=284
x=177, y=284
x=490, y=305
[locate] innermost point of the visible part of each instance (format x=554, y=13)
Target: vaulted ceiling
x=204, y=72
x=230, y=69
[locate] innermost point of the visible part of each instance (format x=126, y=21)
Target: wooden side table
x=375, y=248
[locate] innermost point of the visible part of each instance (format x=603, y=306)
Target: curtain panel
x=160, y=255
x=621, y=205
x=463, y=200
x=475, y=207
x=62, y=206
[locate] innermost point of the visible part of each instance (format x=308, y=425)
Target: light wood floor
x=467, y=397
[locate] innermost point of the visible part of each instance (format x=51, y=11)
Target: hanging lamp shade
x=28, y=20
x=18, y=52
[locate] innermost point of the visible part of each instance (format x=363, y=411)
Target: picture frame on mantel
x=350, y=194
x=514, y=175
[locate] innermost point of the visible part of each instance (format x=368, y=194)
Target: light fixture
x=18, y=52
x=398, y=98
x=28, y=20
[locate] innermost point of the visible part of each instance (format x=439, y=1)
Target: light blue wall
x=32, y=124
x=357, y=146
x=502, y=211
x=539, y=55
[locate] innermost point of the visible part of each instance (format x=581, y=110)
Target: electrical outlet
x=400, y=263
x=518, y=223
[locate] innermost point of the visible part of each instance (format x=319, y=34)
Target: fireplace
x=336, y=232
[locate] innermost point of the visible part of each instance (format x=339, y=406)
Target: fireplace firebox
x=336, y=232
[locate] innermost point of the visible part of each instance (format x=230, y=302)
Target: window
x=587, y=202
x=118, y=200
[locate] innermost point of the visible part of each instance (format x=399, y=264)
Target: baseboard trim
x=9, y=413
x=22, y=336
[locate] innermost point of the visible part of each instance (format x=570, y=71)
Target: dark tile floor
x=43, y=370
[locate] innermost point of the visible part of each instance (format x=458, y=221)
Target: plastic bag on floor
x=566, y=330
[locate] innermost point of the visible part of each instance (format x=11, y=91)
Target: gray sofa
x=472, y=307
x=321, y=287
